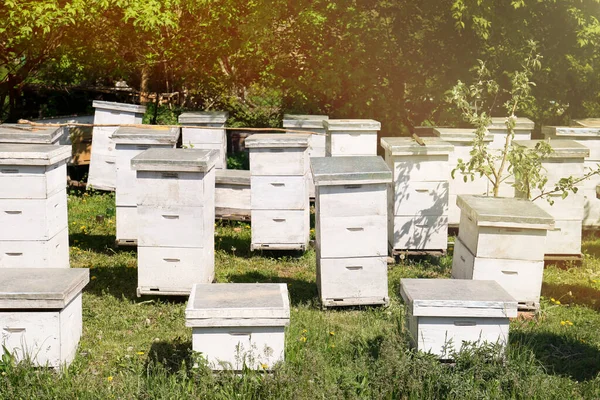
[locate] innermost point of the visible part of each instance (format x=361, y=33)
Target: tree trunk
x=144, y=83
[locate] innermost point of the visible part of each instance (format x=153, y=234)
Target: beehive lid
x=33, y=154
x=304, y=121
x=524, y=124
x=504, y=212
x=203, y=117
x=150, y=135
x=179, y=160
x=27, y=134
x=122, y=107
x=571, y=132
x=344, y=125
x=232, y=177
x=457, y=298
x=276, y=140
x=459, y=135
x=353, y=170
x=40, y=288
x=588, y=122
x=562, y=148
x=405, y=146
x=238, y=304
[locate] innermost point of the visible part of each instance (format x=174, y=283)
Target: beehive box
x=206, y=139
x=176, y=213
x=103, y=169
x=41, y=313
x=239, y=324
x=442, y=314
x=351, y=229
x=351, y=137
x=232, y=194
x=28, y=134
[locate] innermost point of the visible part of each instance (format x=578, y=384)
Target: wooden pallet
x=563, y=260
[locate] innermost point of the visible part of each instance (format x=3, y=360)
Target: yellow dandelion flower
x=333, y=346
x=93, y=277
x=569, y=323
x=304, y=331
x=557, y=302
x=303, y=339
x=110, y=378
x=264, y=366
x=563, y=323
x=594, y=281
x=552, y=299
x=331, y=333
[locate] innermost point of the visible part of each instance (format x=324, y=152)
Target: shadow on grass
x=98, y=243
x=237, y=245
x=561, y=355
x=172, y=355
x=301, y=291
x=573, y=294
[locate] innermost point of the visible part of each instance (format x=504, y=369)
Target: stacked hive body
x=203, y=138
x=566, y=160
x=462, y=140
x=499, y=131
x=351, y=229
x=232, y=194
x=316, y=143
x=279, y=184
x=351, y=137
x=129, y=142
x=27, y=134
x=33, y=206
x=79, y=137
x=41, y=315
x=418, y=202
x=444, y=313
x=237, y=325
x=587, y=135
x=176, y=212
x=103, y=168
x=502, y=239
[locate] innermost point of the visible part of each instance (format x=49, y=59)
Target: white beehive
x=103, y=168
x=316, y=143
x=129, y=142
x=279, y=186
x=176, y=212
x=351, y=229
x=566, y=160
x=351, y=137
x=33, y=203
x=28, y=134
x=587, y=133
x=239, y=324
x=418, y=201
x=442, y=314
x=502, y=239
x=40, y=314
x=232, y=194
x=207, y=139
x=462, y=140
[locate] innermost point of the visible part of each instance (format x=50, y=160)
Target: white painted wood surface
x=279, y=192
x=360, y=236
x=166, y=188
x=421, y=198
x=32, y=181
x=274, y=227
x=52, y=253
x=278, y=161
x=420, y=232
x=420, y=168
x=351, y=144
x=172, y=226
x=565, y=238
x=353, y=278
x=352, y=200
x=126, y=223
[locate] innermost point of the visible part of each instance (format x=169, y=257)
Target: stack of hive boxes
x=566, y=160
x=176, y=219
x=351, y=229
x=279, y=191
x=351, y=137
x=27, y=134
x=203, y=138
x=418, y=201
x=502, y=239
x=103, y=168
x=33, y=206
x=129, y=142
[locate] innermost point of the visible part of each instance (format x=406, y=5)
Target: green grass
x=140, y=348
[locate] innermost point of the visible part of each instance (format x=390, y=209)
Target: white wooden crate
x=351, y=137
x=279, y=192
x=280, y=229
x=52, y=253
x=418, y=232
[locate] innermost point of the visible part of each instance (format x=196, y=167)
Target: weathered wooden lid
x=571, y=132
x=588, y=122
x=238, y=304
x=562, y=148
x=459, y=135
x=522, y=124
x=304, y=121
x=407, y=146
x=354, y=170
x=33, y=154
x=154, y=134
x=232, y=177
x=457, y=298
x=504, y=212
x=276, y=140
x=344, y=125
x=45, y=288
x=181, y=160
x=122, y=107
x=203, y=117
x=27, y=134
